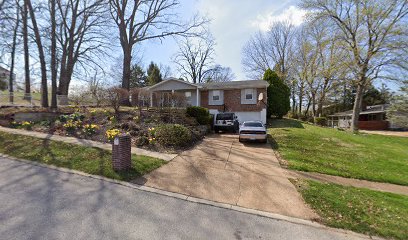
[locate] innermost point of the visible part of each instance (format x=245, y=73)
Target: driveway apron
x=222, y=169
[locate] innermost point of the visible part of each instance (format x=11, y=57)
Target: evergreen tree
x=278, y=95
x=373, y=96
x=137, y=77
x=153, y=74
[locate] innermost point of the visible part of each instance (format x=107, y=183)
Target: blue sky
x=232, y=24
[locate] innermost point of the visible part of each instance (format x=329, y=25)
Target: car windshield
x=225, y=116
x=253, y=124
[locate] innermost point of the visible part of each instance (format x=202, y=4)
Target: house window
x=188, y=95
x=249, y=94
x=216, y=95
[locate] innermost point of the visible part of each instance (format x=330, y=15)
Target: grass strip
x=358, y=209
x=86, y=159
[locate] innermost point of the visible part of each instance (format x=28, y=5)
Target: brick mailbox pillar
x=121, y=153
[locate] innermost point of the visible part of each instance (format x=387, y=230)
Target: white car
x=253, y=131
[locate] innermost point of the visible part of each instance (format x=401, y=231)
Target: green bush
x=173, y=135
x=278, y=95
x=200, y=114
x=321, y=121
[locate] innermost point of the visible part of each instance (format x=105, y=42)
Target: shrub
x=15, y=124
x=114, y=97
x=278, y=95
x=174, y=135
x=142, y=140
x=200, y=114
x=73, y=117
x=321, y=121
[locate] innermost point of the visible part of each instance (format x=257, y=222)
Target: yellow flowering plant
x=93, y=112
x=71, y=126
x=26, y=125
x=15, y=124
x=112, y=119
x=112, y=134
x=152, y=135
x=90, y=129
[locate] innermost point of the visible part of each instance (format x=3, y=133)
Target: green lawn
x=86, y=159
x=325, y=150
x=18, y=98
x=361, y=210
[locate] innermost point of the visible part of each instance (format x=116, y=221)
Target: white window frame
x=247, y=92
x=216, y=93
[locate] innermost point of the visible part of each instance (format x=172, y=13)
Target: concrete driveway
x=222, y=169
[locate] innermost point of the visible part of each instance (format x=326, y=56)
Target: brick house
x=240, y=97
x=371, y=118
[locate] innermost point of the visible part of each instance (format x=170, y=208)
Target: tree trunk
x=44, y=90
x=127, y=61
x=53, y=58
x=13, y=54
x=314, y=104
x=63, y=85
x=300, y=99
x=27, y=94
x=293, y=99
x=357, y=108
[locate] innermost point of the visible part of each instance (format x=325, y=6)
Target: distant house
x=371, y=118
x=240, y=97
x=5, y=76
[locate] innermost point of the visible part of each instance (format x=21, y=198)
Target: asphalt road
x=42, y=203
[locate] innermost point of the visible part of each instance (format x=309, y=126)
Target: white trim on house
x=173, y=79
x=249, y=92
x=216, y=97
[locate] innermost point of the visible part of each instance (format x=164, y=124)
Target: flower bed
x=164, y=131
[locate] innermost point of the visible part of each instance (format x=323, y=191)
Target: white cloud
x=231, y=26
x=292, y=14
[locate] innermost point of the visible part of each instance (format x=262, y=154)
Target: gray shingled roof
x=235, y=84
x=369, y=110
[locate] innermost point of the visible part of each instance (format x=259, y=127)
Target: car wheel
x=216, y=130
x=240, y=140
x=264, y=140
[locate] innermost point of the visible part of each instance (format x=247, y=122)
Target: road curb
x=192, y=199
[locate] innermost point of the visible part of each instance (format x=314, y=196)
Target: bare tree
x=114, y=97
x=24, y=18
x=194, y=60
x=53, y=55
x=37, y=35
x=219, y=73
x=13, y=52
x=138, y=21
x=81, y=37
x=305, y=59
x=272, y=50
x=269, y=50
x=165, y=70
x=372, y=33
